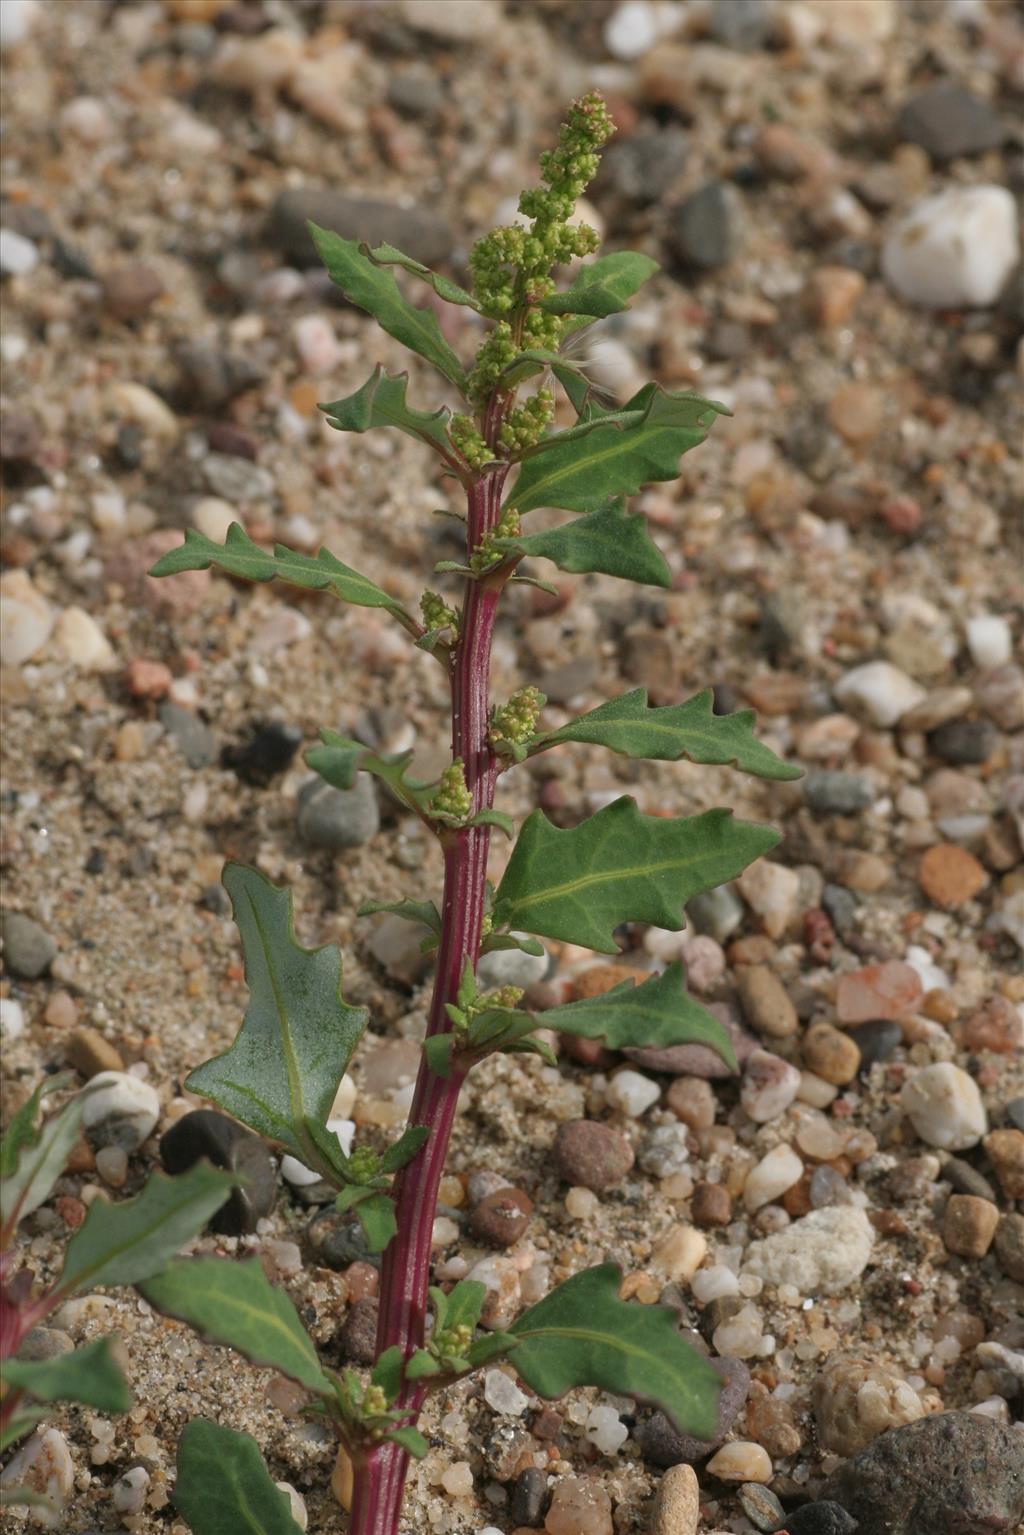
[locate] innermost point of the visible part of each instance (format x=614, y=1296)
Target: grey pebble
x=337, y=818
x=425, y=236
x=529, y=1497
x=717, y=913
x=840, y=905
x=205, y=1133
x=644, y=166
x=820, y=1519
x=761, y=1506
x=235, y=479
x=337, y=1240
x=741, y=24
x=194, y=739
x=43, y=1343
x=966, y=1179
x=662, y=1445
x=964, y=743
x=511, y=967
x=701, y=229
x=837, y=793
x=29, y=951
x=414, y=94
x=876, y=1040
x=1015, y=1113
x=947, y=121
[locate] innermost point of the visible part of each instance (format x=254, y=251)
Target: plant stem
x=405, y=1272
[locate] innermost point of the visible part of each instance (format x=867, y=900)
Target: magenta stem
x=405, y=1272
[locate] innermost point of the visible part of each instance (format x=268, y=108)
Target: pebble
x=12, y=1018
x=26, y=618
x=875, y=1041
x=511, y=967
x=855, y=1400
x=836, y=793
x=225, y=1143
x=130, y=291
x=632, y=1093
x=952, y=1471
x=470, y=21
x=698, y=1060
x=857, y=412
x=947, y=121
x=821, y=1519
x=194, y=739
x=704, y=961
x=662, y=1445
x=135, y=403
x=1001, y=694
x=120, y=1110
x=29, y=951
x=503, y=1395
x=701, y=229
x=235, y=479
x=969, y=1225
x=16, y=20
x=579, y=1506
x=147, y=679
x=631, y=30
x=18, y=254
x=711, y=1205
x=501, y=1218
x=772, y=891
x=267, y=751
x=358, y=1333
x=773, y=1175
x=424, y=235
x=316, y=344
x=831, y=1054
x=129, y=1491
x=761, y=1507
x=643, y=167
x=83, y=642
x=677, y=1504
x=664, y=1151
x=1005, y=1150
x=527, y=1497
x=43, y=1465
x=966, y=1179
x=891, y=990
x=880, y=691
x=989, y=640
x=679, y=1253
x=45, y=1343
x=944, y=1106
x=337, y=818
x=1009, y=1246
x=89, y=1053
x=591, y=1155
x=822, y=1253
x=766, y=1003
x=501, y=1278
x=741, y=1461
x=835, y=292
x=964, y=742
x=692, y=1101
x=414, y=94
x=395, y=944
x=605, y=1430
x=954, y=250
x=770, y=1085
x=742, y=24
x=950, y=876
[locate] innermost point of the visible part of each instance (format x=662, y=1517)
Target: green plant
x=115, y=1245
x=577, y=885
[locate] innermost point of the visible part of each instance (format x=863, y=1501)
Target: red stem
x=405, y=1273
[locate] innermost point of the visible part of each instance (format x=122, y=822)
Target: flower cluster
x=453, y=799
x=437, y=614
x=487, y=552
x=525, y=426
x=465, y=435
x=513, y=723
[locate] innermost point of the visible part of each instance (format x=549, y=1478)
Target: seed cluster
x=513, y=722
x=453, y=798
x=437, y=614
x=487, y=552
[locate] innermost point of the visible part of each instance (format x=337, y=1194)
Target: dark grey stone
x=820, y=1519
x=205, y=1133
x=337, y=1239
x=643, y=167
x=741, y=24
x=29, y=951
x=216, y=899
x=425, y=236
x=761, y=1507
x=1015, y=1113
x=701, y=229
x=964, y=742
x=966, y=1179
x=840, y=906
x=414, y=94
x=661, y=1444
x=529, y=1498
x=45, y=1343
x=337, y=818
x=876, y=1041
x=955, y=1471
x=947, y=121
x=210, y=377
x=836, y=793
x=564, y=683
x=268, y=751
x=193, y=738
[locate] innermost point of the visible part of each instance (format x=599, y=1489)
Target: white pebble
x=457, y=1481
x=581, y=1203
x=345, y=1130
x=297, y=1502
x=503, y=1395
x=130, y=1491
x=43, y=1463
x=121, y=1097
x=316, y=344
x=708, y=1284
x=212, y=517
x=820, y=1254
x=87, y=118
x=739, y=1335
x=989, y=640
x=16, y=18
x=631, y=30
x=443, y=1232
x=83, y=642
x=12, y=1018
x=344, y=1098
x=17, y=254
x=606, y=1430
x=26, y=618
x=944, y=1106
x=773, y=1175
x=632, y=1093
x=137, y=403
x=297, y=1173
x=954, y=250
x=741, y=1461
x=881, y=691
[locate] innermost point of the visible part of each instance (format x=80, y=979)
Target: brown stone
x=711, y=1205
x=501, y=1218
x=89, y=1053
x=857, y=412
x=835, y=291
x=968, y=1225
x=1005, y=1150
x=830, y=1054
x=601, y=978
x=591, y=1155
x=765, y=1001
x=889, y=990
x=950, y=875
x=692, y=1100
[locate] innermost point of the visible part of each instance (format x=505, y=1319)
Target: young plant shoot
x=576, y=885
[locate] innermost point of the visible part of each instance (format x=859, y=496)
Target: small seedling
x=577, y=885
x=115, y=1245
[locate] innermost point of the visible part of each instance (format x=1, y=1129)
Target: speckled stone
x=820, y=1519
x=956, y=1472
x=592, y=1155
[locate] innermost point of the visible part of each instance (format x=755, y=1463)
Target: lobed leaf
x=627, y=725
x=234, y=1304
x=223, y=1486
x=89, y=1375
x=657, y=1013
x=620, y=866
x=126, y=1243
x=610, y=541
x=297, y=1036
x=604, y=286
x=402, y=1151
x=451, y=292
x=368, y=284
x=381, y=402
x=33, y=1158
x=424, y=912
x=581, y=1334
x=339, y=758
x=613, y=453
x=239, y=556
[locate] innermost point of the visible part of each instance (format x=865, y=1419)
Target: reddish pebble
x=902, y=514
x=996, y=1026
x=591, y=1155
x=361, y=1280
x=71, y=1211
x=501, y=1218
x=950, y=875
x=148, y=679
x=888, y=990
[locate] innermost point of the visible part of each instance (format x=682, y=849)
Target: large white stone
x=954, y=250
x=26, y=618
x=821, y=1254
x=944, y=1106
x=879, y=690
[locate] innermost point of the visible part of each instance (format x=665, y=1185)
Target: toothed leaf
x=410, y=1440
x=377, y=1217
x=381, y=402
x=387, y=255
x=411, y=911
x=657, y=1013
x=610, y=540
x=604, y=286
x=33, y=1158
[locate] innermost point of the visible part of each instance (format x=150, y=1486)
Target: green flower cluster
x=437, y=614
x=453, y=799
x=486, y=552
x=505, y=996
x=513, y=723
x=363, y=1164
x=465, y=435
x=525, y=426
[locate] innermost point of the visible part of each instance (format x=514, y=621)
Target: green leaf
x=339, y=758
x=234, y=1304
x=604, y=286
x=298, y=1035
x=613, y=454
x=620, y=866
x=224, y=1488
x=370, y=286
x=610, y=540
x=438, y=1053
x=89, y=1375
x=421, y=1365
x=629, y=726
x=412, y=911
x=387, y=255
x=657, y=1013
x=464, y=1303
x=32, y=1158
x=381, y=402
x=496, y=942
x=410, y=1440
x=22, y=1422
x=387, y=1373
x=581, y=1334
x=404, y=1149
x=126, y=1243
x=377, y=1217
x=496, y=818
x=239, y=556
x=529, y=1044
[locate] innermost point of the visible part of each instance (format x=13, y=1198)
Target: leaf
x=629, y=726
x=89, y=1375
x=16, y=1427
x=609, y=540
x=298, y=1035
x=387, y=255
x=497, y=818
x=421, y=1365
x=370, y=286
x=234, y=1304
x=581, y=1334
x=126, y=1243
x=620, y=866
x=657, y=1013
x=529, y=1044
x=412, y=911
x=33, y=1159
x=377, y=1217
x=410, y=1440
x=224, y=1488
x=339, y=758
x=381, y=402
x=496, y=942
x=604, y=286
x=387, y=1372
x=239, y=556
x=613, y=454
x=437, y=1051
x=463, y=1304
x=404, y=1149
